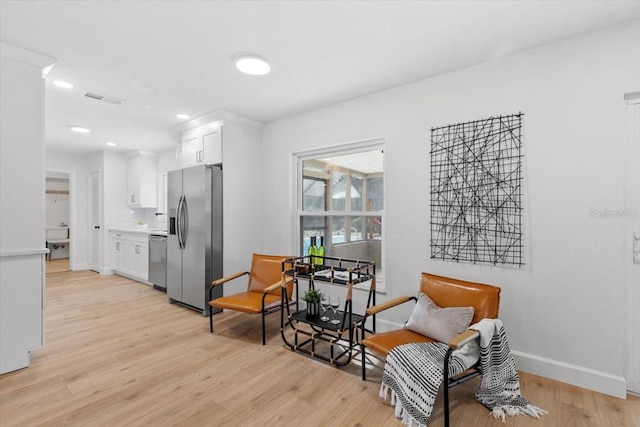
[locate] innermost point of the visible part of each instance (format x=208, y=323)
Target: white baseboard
x=103, y=270
x=580, y=376
x=385, y=325
x=137, y=279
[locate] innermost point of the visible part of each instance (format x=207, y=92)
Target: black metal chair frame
x=452, y=382
x=449, y=382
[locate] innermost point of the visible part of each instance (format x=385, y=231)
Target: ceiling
x=169, y=57
x=366, y=162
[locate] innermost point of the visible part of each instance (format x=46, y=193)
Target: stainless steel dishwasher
x=158, y=261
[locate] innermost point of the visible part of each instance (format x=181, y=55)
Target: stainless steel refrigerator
x=194, y=236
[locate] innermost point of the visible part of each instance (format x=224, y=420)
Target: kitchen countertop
x=146, y=231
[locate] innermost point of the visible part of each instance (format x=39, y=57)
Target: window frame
x=336, y=150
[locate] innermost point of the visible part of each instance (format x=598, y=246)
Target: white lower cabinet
x=130, y=254
x=140, y=260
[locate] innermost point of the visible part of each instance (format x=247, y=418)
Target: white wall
x=168, y=161
x=22, y=220
x=242, y=198
x=564, y=310
x=22, y=156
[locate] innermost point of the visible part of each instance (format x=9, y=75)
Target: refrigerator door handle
x=184, y=222
x=179, y=223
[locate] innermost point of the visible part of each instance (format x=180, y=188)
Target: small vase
x=313, y=310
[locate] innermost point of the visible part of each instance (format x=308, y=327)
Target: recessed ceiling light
x=79, y=129
x=253, y=65
x=182, y=116
x=64, y=85
x=110, y=144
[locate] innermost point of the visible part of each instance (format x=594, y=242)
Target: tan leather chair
x=264, y=289
x=445, y=292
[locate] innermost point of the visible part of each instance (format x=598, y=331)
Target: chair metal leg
x=264, y=342
x=362, y=347
x=446, y=405
x=446, y=387
x=211, y=320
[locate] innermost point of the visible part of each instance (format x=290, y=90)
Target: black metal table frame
x=358, y=272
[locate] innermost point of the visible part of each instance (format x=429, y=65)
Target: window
x=341, y=200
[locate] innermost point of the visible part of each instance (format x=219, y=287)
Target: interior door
x=95, y=222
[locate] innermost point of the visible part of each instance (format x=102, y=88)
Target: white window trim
x=336, y=150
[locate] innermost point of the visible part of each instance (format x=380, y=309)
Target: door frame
x=631, y=230
x=73, y=233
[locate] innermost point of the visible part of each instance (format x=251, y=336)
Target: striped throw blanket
x=500, y=386
x=413, y=374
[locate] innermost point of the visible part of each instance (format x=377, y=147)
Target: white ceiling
x=366, y=162
x=166, y=57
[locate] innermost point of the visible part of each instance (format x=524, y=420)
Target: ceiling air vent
x=103, y=98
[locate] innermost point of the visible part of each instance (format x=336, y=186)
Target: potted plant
x=312, y=297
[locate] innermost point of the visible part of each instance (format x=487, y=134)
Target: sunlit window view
x=343, y=204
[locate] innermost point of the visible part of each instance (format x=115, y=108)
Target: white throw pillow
x=441, y=324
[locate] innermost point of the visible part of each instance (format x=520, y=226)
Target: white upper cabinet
x=212, y=146
x=202, y=146
x=142, y=181
x=191, y=151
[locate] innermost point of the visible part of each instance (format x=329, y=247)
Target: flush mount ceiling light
x=182, y=116
x=253, y=65
x=110, y=144
x=63, y=84
x=79, y=129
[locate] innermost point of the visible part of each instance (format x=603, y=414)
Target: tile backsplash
x=128, y=218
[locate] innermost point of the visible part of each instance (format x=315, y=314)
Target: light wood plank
x=118, y=354
x=57, y=265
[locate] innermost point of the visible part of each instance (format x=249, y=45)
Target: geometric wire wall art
x=476, y=191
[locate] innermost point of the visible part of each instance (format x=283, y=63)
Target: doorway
x=59, y=214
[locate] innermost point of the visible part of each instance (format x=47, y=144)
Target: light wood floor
x=117, y=354
x=57, y=265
